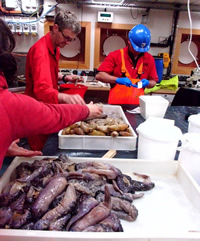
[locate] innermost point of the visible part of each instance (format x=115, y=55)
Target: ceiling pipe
x=136, y=4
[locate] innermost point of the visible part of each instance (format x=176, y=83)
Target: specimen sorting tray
x=100, y=142
x=170, y=211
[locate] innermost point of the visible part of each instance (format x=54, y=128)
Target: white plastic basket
x=169, y=211
x=100, y=142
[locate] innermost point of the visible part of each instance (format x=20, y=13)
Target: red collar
x=50, y=45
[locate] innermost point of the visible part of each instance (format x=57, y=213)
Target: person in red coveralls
x=42, y=73
x=131, y=69
x=22, y=116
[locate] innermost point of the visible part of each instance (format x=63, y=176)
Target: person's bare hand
x=95, y=110
x=70, y=99
x=15, y=150
x=73, y=78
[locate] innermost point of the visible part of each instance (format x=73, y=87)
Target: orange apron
x=121, y=94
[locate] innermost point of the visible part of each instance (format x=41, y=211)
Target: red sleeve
x=23, y=116
x=108, y=64
x=39, y=61
x=30, y=117
x=152, y=67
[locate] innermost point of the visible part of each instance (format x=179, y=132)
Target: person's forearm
x=50, y=118
x=106, y=78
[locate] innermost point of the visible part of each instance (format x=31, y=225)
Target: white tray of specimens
x=169, y=211
x=100, y=142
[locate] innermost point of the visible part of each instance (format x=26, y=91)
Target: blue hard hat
x=140, y=38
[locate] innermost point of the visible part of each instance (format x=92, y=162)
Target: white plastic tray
x=170, y=211
x=100, y=142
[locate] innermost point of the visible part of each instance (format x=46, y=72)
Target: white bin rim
x=154, y=99
x=194, y=119
x=160, y=133
x=190, y=142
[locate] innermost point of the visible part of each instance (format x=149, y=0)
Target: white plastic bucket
x=194, y=123
x=158, y=142
x=189, y=155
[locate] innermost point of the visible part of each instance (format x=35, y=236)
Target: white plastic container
x=157, y=142
x=189, y=155
x=194, y=123
x=153, y=106
x=175, y=200
x=87, y=142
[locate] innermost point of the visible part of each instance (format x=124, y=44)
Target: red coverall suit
x=22, y=116
x=113, y=64
x=42, y=78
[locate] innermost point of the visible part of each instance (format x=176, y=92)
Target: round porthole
x=113, y=43
x=72, y=49
x=185, y=56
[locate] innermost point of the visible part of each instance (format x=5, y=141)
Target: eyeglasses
x=67, y=38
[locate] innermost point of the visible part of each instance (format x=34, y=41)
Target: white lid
x=153, y=99
x=191, y=142
x=159, y=121
x=159, y=132
x=194, y=119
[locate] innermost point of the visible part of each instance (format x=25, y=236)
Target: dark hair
x=8, y=64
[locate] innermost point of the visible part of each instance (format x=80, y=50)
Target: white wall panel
x=159, y=23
